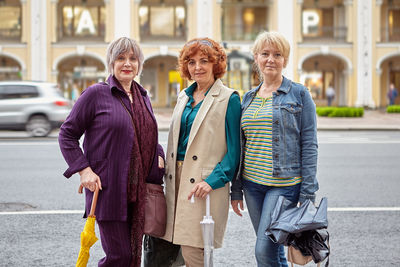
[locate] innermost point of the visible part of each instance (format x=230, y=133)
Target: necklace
x=130, y=95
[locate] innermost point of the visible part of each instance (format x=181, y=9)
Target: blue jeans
x=260, y=201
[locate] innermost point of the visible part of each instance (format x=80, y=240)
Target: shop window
x=9, y=69
x=82, y=20
x=10, y=22
x=243, y=20
x=162, y=21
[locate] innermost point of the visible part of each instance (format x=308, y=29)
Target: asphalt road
x=41, y=212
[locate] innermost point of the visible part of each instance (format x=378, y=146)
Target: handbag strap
x=130, y=115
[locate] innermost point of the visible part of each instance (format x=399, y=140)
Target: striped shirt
x=256, y=124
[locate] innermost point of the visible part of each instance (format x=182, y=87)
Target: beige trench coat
x=206, y=148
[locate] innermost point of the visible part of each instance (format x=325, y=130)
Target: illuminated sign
x=311, y=19
x=85, y=23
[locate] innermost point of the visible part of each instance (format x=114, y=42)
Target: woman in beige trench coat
x=203, y=149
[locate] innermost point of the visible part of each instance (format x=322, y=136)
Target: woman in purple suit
x=120, y=152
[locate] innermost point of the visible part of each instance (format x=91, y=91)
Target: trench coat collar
x=205, y=107
x=176, y=116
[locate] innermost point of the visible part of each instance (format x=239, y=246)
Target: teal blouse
x=226, y=169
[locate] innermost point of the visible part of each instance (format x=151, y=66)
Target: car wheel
x=38, y=126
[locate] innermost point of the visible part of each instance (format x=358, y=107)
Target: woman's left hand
x=160, y=162
x=200, y=190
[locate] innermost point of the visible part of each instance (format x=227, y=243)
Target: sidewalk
x=372, y=120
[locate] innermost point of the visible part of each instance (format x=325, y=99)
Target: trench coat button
x=192, y=180
x=276, y=139
x=276, y=122
x=194, y=157
x=170, y=176
x=276, y=156
x=172, y=154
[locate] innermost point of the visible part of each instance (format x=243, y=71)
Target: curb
x=336, y=128
x=358, y=128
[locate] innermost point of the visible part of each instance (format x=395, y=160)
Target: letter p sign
x=310, y=21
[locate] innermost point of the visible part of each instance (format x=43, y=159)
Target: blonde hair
x=274, y=39
x=121, y=46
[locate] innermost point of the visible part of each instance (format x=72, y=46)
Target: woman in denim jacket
x=279, y=145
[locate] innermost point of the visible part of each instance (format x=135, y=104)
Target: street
x=358, y=171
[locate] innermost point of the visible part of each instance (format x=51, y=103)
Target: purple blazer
x=107, y=145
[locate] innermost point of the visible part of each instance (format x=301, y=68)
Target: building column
x=377, y=84
x=377, y=15
x=349, y=19
x=298, y=29
x=109, y=25
x=190, y=19
x=217, y=22
x=54, y=22
x=135, y=31
x=38, y=47
x=204, y=18
x=286, y=10
x=24, y=29
x=122, y=15
x=364, y=54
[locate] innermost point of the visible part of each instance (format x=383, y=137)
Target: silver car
x=36, y=107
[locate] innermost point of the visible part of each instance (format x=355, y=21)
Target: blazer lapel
x=176, y=117
x=205, y=107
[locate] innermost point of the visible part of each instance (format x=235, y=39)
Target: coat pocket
x=291, y=113
x=205, y=172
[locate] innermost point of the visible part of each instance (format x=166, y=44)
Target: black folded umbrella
x=287, y=219
x=302, y=227
x=314, y=243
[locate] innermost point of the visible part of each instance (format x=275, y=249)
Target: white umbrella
x=207, y=226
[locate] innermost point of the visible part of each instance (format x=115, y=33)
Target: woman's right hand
x=89, y=179
x=236, y=204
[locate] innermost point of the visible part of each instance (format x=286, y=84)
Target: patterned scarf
x=143, y=152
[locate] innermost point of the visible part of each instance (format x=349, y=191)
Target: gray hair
x=121, y=46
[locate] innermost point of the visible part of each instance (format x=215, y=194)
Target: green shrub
x=340, y=112
x=324, y=111
x=393, y=109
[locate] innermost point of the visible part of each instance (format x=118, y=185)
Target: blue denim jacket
x=294, y=136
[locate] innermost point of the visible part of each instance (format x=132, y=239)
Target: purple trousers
x=116, y=243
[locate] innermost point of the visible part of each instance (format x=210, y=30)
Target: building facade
x=351, y=45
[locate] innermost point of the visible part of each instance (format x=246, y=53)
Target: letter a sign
x=85, y=23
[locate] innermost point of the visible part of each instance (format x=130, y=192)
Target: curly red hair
x=209, y=48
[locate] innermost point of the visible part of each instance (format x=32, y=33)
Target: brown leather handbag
x=155, y=206
x=295, y=257
x=155, y=214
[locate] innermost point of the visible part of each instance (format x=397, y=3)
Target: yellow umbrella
x=88, y=235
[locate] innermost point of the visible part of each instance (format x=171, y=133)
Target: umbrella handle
x=208, y=205
x=94, y=200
